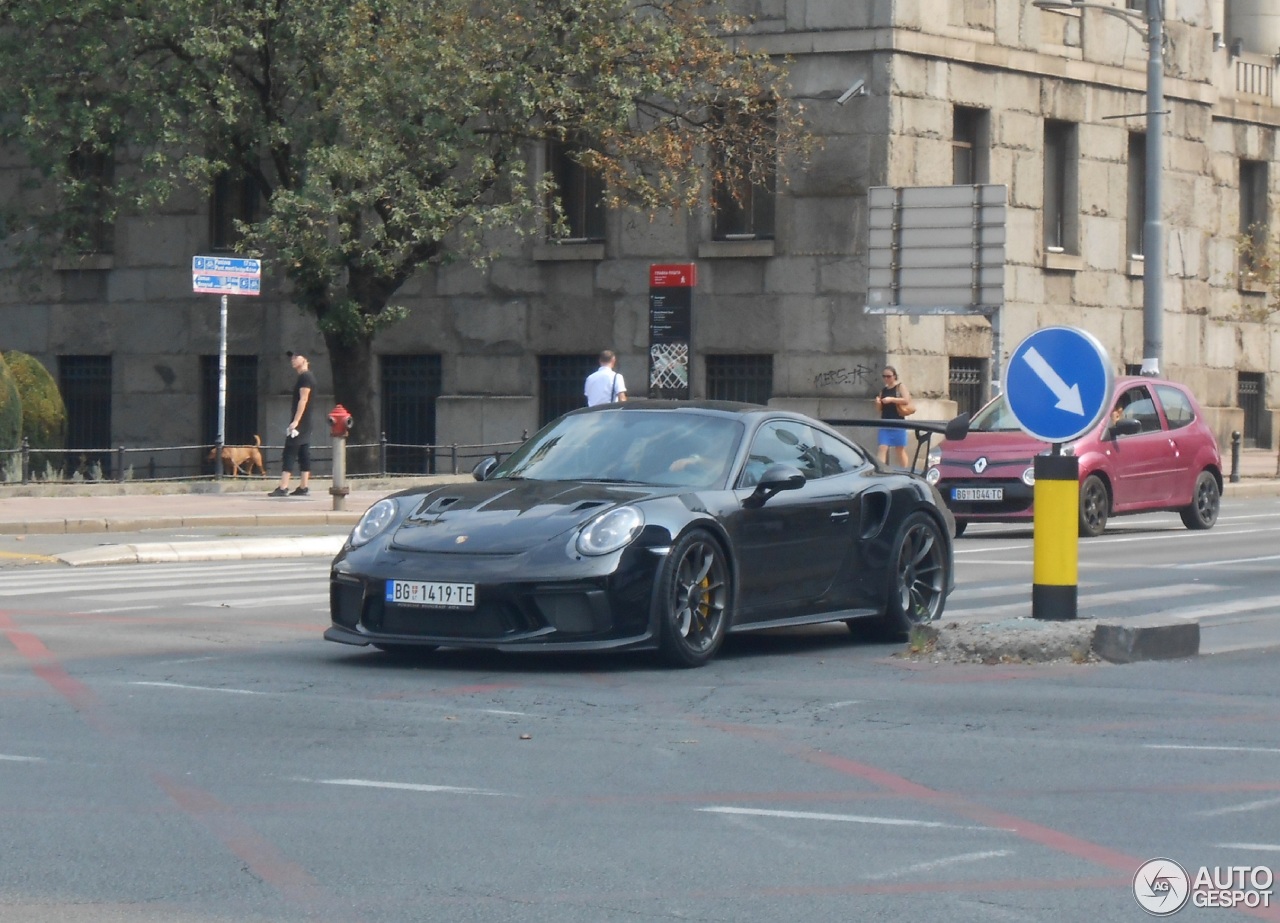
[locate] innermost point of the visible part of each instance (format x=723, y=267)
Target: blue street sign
x=1058, y=382
x=226, y=275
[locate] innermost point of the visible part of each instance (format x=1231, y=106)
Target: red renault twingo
x=1152, y=451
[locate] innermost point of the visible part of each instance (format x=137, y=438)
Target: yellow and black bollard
x=1056, y=553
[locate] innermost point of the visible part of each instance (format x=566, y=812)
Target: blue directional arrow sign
x=1058, y=382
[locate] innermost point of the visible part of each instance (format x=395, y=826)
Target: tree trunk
x=353, y=368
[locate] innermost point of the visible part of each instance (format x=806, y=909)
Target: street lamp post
x=1153, y=254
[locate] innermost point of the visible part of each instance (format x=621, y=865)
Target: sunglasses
x=886, y=376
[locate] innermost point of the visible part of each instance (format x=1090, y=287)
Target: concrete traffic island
x=1028, y=640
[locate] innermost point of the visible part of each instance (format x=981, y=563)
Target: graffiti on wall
x=860, y=375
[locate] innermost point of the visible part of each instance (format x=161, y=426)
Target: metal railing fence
x=25, y=465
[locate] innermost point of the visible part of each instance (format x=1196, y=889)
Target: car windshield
x=653, y=447
x=995, y=417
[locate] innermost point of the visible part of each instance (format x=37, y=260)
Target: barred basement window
x=965, y=377
x=242, y=400
x=410, y=386
x=560, y=383
x=740, y=378
x=85, y=382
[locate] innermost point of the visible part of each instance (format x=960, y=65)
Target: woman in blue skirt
x=894, y=401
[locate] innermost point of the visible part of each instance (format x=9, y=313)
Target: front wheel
x=961, y=525
x=917, y=576
x=693, y=597
x=1095, y=507
x=1206, y=500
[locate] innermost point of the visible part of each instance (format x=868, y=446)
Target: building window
x=578, y=198
x=742, y=209
x=740, y=378
x=241, y=403
x=91, y=172
x=970, y=146
x=560, y=383
x=85, y=382
x=1061, y=156
x=1255, y=228
x=410, y=386
x=235, y=197
x=1252, y=396
x=1137, y=204
x=965, y=383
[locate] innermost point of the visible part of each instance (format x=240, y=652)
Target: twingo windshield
x=657, y=447
x=995, y=417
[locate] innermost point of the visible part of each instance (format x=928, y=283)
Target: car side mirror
x=776, y=478
x=484, y=468
x=1126, y=427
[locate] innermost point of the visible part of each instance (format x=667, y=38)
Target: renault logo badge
x=460, y=539
x=980, y=466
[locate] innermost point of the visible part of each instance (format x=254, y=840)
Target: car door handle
x=840, y=516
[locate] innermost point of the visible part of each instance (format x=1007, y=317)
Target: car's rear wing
x=954, y=429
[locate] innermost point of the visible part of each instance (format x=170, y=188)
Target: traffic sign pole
x=222, y=390
x=1056, y=544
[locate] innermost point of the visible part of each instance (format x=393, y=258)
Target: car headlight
x=374, y=522
x=933, y=475
x=610, y=531
x=935, y=458
x=1029, y=476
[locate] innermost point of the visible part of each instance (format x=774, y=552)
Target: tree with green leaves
x=383, y=134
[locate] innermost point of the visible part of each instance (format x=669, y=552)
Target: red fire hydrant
x=339, y=428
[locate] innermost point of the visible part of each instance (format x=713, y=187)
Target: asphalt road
x=177, y=744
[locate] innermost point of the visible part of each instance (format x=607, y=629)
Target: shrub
x=44, y=416
x=10, y=410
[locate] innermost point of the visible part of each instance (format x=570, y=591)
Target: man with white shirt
x=605, y=385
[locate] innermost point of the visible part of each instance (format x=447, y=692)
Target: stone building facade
x=991, y=91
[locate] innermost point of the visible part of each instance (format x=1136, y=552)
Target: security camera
x=858, y=88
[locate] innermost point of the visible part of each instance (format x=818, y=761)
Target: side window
x=1137, y=404
x=1177, y=409
x=782, y=442
x=838, y=457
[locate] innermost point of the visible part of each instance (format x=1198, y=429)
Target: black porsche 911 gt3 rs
x=648, y=524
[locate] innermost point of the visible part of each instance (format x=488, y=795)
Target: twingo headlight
x=1029, y=476
x=935, y=457
x=610, y=531
x=374, y=522
x=933, y=475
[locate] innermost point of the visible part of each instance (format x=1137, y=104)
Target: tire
x=917, y=576
x=960, y=527
x=693, y=597
x=1206, y=500
x=1095, y=507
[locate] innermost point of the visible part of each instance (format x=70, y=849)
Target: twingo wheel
x=1095, y=507
x=917, y=576
x=1206, y=500
x=961, y=525
x=693, y=597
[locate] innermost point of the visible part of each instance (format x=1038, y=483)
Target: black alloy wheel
x=693, y=595
x=1095, y=507
x=1206, y=500
x=917, y=576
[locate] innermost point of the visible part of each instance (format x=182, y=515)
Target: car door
x=1184, y=440
x=790, y=549
x=1141, y=462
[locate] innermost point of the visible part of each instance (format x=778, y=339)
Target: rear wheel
x=1205, y=503
x=1095, y=506
x=693, y=597
x=917, y=576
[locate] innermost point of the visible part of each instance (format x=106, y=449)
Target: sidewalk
x=128, y=508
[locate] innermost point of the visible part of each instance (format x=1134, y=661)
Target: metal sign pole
x=222, y=389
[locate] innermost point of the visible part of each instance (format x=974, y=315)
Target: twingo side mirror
x=484, y=468
x=1125, y=426
x=957, y=428
x=776, y=478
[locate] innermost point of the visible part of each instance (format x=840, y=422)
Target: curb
x=1028, y=640
x=139, y=523
x=257, y=549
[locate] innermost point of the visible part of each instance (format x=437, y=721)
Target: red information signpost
x=670, y=328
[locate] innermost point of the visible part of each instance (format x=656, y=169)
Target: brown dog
x=235, y=456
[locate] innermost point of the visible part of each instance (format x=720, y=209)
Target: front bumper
x=1015, y=504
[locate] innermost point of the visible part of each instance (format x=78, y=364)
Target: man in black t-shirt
x=297, y=443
